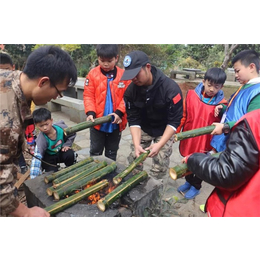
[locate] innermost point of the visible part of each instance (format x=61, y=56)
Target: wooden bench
x=189, y=74
x=76, y=109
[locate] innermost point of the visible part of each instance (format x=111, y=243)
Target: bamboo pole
x=119, y=191
x=194, y=133
x=80, y=184
x=118, y=178
x=86, y=124
x=57, y=174
x=73, y=199
x=182, y=170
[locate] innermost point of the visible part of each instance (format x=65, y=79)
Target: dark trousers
x=100, y=140
x=194, y=181
x=61, y=157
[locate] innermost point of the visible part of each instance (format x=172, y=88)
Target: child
x=244, y=100
x=198, y=112
x=103, y=95
x=52, y=146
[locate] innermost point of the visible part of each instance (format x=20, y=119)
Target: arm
x=136, y=137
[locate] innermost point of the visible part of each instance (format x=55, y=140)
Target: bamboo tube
x=69, y=177
x=73, y=199
x=119, y=191
x=86, y=124
x=57, y=174
x=118, y=178
x=182, y=170
x=194, y=133
x=93, y=177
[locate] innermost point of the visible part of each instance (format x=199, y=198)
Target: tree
x=228, y=53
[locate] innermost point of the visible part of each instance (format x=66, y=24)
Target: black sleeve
x=235, y=166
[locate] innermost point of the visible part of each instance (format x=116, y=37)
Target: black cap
x=133, y=62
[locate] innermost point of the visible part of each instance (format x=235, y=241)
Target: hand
x=217, y=110
x=139, y=150
x=154, y=149
x=218, y=129
x=23, y=211
x=117, y=119
x=65, y=148
x=90, y=118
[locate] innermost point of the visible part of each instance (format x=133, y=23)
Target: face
x=107, y=64
x=45, y=126
x=211, y=89
x=243, y=74
x=144, y=77
x=6, y=67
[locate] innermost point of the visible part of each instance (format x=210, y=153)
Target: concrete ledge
x=190, y=74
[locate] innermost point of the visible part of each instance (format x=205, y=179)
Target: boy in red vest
x=199, y=107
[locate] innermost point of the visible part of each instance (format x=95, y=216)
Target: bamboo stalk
x=119, y=191
x=69, y=177
x=80, y=184
x=182, y=170
x=57, y=174
x=73, y=199
x=86, y=124
x=118, y=178
x=194, y=133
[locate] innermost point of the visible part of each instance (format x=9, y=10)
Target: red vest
x=244, y=202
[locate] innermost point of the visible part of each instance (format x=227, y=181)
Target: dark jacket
x=155, y=106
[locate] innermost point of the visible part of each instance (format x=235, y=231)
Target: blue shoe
x=192, y=193
x=183, y=188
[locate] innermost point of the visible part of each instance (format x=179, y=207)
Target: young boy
x=244, y=100
x=52, y=146
x=198, y=112
x=103, y=95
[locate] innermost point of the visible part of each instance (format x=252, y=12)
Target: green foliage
x=189, y=62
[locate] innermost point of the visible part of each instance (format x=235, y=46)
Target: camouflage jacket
x=14, y=112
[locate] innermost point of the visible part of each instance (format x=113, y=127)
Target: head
x=107, y=56
x=6, y=62
x=49, y=70
x=246, y=65
x=213, y=81
x=137, y=68
x=42, y=120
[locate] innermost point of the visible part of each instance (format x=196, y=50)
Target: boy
x=47, y=72
x=199, y=112
x=244, y=100
x=103, y=95
x=52, y=146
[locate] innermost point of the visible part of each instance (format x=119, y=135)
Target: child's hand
x=217, y=110
x=218, y=130
x=90, y=118
x=117, y=119
x=65, y=148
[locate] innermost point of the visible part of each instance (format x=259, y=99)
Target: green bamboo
x=80, y=184
x=87, y=124
x=118, y=178
x=73, y=199
x=69, y=177
x=194, y=133
x=119, y=191
x=182, y=170
x=57, y=174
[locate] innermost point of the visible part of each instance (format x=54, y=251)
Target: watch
x=226, y=128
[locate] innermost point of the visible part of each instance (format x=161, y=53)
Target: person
x=247, y=98
x=52, y=145
x=6, y=62
x=154, y=107
x=199, y=112
x=47, y=72
x=235, y=174
x=102, y=96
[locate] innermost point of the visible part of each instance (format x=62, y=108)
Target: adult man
x=47, y=72
x=154, y=108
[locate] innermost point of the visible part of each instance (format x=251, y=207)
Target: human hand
x=217, y=110
x=37, y=212
x=218, y=129
x=154, y=149
x=117, y=119
x=90, y=118
x=139, y=150
x=65, y=148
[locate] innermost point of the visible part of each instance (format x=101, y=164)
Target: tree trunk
x=182, y=170
x=121, y=190
x=118, y=178
x=73, y=199
x=87, y=124
x=228, y=54
x=77, y=185
x=57, y=174
x=194, y=133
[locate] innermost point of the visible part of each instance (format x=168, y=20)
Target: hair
x=53, y=62
x=5, y=58
x=246, y=57
x=41, y=114
x=215, y=75
x=107, y=50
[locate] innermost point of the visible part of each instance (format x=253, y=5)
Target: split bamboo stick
x=119, y=191
x=118, y=178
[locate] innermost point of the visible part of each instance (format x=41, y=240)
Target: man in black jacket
x=154, y=108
